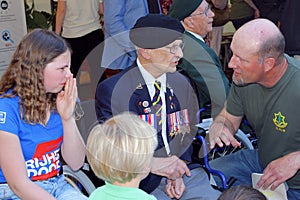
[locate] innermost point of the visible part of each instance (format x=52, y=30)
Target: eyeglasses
x=206, y=11
x=173, y=49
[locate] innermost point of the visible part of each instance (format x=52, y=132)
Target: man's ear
x=145, y=53
x=269, y=63
x=188, y=22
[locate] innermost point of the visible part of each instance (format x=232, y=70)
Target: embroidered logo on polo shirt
x=279, y=122
x=2, y=117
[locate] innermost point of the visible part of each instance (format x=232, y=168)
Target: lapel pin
x=139, y=87
x=145, y=104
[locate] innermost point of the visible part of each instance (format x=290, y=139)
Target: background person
x=269, y=9
x=264, y=90
x=153, y=89
x=120, y=152
x=79, y=23
x=242, y=11
x=119, y=17
x=37, y=100
x=290, y=27
x=221, y=11
x=200, y=63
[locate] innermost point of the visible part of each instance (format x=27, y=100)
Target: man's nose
x=179, y=53
x=232, y=63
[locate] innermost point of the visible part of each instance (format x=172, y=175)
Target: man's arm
x=252, y=5
x=114, y=11
x=170, y=167
x=60, y=16
x=114, y=23
x=223, y=129
x=101, y=8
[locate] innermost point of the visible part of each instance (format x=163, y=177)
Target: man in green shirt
x=266, y=91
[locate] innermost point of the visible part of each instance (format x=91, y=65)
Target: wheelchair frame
x=81, y=181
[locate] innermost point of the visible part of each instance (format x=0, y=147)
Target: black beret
x=155, y=31
x=181, y=9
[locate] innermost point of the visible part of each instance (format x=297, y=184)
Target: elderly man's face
x=165, y=59
x=200, y=21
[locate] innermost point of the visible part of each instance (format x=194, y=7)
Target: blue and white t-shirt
x=40, y=144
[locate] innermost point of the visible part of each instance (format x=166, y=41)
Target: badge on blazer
x=147, y=110
x=139, y=87
x=179, y=123
x=145, y=104
x=170, y=88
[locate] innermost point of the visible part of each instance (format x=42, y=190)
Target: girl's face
x=56, y=72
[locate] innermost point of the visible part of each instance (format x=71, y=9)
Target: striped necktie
x=157, y=105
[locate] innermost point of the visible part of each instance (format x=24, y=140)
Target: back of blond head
x=121, y=148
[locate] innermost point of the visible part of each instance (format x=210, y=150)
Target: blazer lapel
x=209, y=50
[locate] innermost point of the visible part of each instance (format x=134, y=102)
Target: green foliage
x=37, y=19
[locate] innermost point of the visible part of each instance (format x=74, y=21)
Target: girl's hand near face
x=72, y=143
x=66, y=99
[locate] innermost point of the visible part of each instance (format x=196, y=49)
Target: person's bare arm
x=170, y=167
x=223, y=129
x=252, y=5
x=60, y=16
x=101, y=9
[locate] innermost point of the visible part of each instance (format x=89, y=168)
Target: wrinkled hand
x=219, y=134
x=175, y=188
x=278, y=171
x=66, y=99
x=170, y=167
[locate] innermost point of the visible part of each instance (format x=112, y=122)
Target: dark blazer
x=201, y=64
x=127, y=91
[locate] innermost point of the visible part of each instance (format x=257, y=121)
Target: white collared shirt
x=149, y=80
x=197, y=36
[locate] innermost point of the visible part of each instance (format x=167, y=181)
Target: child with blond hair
x=120, y=152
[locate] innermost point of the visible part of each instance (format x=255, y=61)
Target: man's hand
x=219, y=133
x=170, y=167
x=175, y=188
x=279, y=170
x=223, y=129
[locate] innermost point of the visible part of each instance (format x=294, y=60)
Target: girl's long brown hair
x=25, y=74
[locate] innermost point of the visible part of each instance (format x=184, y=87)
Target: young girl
x=37, y=100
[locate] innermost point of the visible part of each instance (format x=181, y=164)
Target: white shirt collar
x=196, y=35
x=149, y=79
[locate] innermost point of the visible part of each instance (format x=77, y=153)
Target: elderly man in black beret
x=200, y=63
x=153, y=89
